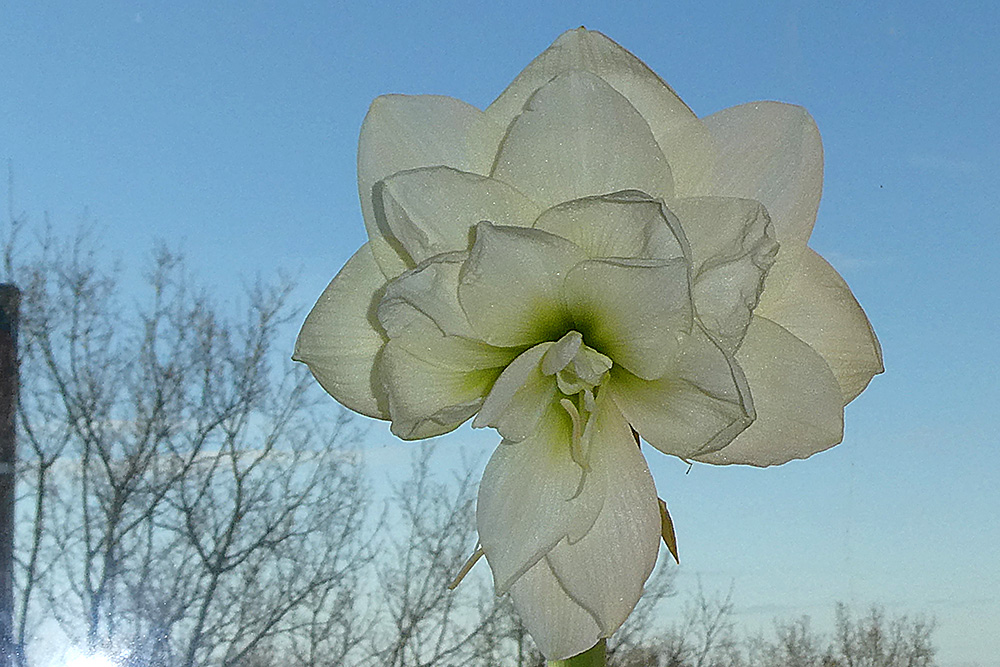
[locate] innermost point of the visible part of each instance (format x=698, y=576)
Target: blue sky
x=229, y=129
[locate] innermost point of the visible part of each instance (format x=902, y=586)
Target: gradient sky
x=229, y=129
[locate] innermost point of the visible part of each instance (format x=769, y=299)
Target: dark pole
x=10, y=300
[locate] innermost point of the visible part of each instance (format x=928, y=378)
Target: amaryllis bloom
x=585, y=260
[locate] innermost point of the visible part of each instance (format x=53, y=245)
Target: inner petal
x=562, y=353
x=520, y=396
x=511, y=286
x=604, y=572
x=428, y=292
x=433, y=210
x=407, y=131
x=732, y=250
x=637, y=312
x=698, y=406
x=621, y=224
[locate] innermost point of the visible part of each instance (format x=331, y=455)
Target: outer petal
x=818, y=307
x=340, y=338
x=404, y=132
x=604, y=572
x=698, y=406
x=732, y=249
x=532, y=496
x=577, y=137
x=771, y=152
x=800, y=408
x=634, y=311
x=511, y=285
x=433, y=210
x=684, y=140
x=622, y=224
x=560, y=627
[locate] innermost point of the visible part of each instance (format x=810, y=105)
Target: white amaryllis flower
x=584, y=258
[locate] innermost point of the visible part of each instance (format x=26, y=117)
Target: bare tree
x=794, y=645
x=180, y=500
x=707, y=637
x=874, y=640
x=433, y=532
x=184, y=500
x=704, y=637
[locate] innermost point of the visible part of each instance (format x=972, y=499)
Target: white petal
x=531, y=497
x=561, y=353
x=623, y=224
x=405, y=132
x=604, y=572
x=433, y=210
x=818, y=307
x=800, y=409
x=732, y=248
x=519, y=397
x=698, y=406
x=634, y=311
x=511, y=285
x=559, y=626
x=685, y=142
x=771, y=152
x=341, y=337
x=432, y=392
x=432, y=372
x=577, y=137
x=428, y=292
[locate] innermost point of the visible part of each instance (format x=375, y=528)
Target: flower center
x=579, y=370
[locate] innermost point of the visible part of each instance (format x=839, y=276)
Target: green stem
x=595, y=657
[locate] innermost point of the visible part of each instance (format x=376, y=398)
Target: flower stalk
x=597, y=656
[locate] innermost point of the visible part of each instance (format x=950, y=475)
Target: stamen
x=576, y=446
x=579, y=487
